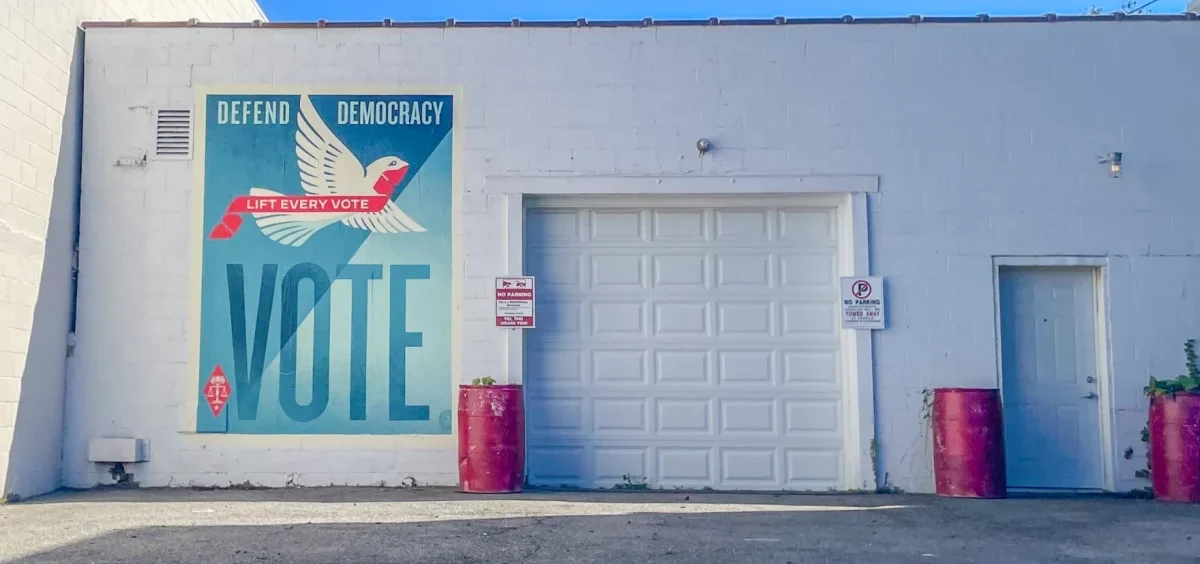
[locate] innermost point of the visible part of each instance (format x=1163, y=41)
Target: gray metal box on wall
x=118, y=450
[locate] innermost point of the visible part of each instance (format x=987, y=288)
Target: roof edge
x=650, y=22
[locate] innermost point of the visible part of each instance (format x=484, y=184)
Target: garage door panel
x=680, y=225
x=811, y=416
x=814, y=268
x=800, y=226
x=562, y=319
x=623, y=319
x=742, y=319
x=811, y=368
x=612, y=226
x=618, y=367
x=744, y=270
x=558, y=271
x=623, y=416
x=680, y=271
x=811, y=469
x=685, y=466
x=748, y=467
x=748, y=417
x=551, y=227
x=618, y=272
x=799, y=445
x=690, y=347
x=687, y=367
x=742, y=367
x=731, y=467
x=809, y=318
x=743, y=226
x=688, y=319
x=565, y=465
x=684, y=416
x=553, y=365
x=609, y=416
x=558, y=415
x=616, y=465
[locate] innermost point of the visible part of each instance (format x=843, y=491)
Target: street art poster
x=325, y=261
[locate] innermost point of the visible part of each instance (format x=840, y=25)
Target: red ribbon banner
x=232, y=221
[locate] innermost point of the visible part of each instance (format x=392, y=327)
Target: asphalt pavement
x=433, y=526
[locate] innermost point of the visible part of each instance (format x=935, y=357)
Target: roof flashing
x=650, y=22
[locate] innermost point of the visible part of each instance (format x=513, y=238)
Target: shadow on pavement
x=634, y=529
x=648, y=538
x=393, y=495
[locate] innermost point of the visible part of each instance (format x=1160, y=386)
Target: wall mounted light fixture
x=1113, y=160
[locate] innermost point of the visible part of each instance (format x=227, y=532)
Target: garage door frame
x=847, y=195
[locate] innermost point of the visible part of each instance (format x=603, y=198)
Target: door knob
x=1091, y=395
x=1091, y=379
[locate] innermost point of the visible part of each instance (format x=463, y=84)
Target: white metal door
x=1051, y=390
x=684, y=346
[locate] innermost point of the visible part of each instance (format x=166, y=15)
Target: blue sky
x=463, y=10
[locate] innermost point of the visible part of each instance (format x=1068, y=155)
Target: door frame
x=1105, y=403
x=847, y=195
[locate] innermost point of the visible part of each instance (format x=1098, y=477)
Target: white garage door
x=684, y=347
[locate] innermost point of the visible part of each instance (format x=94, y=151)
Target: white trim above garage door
x=692, y=341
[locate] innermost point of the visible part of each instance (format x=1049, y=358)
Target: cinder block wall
x=41, y=63
x=985, y=137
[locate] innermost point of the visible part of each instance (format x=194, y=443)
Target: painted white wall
x=985, y=138
x=41, y=67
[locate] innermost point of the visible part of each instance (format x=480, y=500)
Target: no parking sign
x=862, y=302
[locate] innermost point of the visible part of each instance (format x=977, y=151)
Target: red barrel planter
x=491, y=439
x=1175, y=447
x=968, y=443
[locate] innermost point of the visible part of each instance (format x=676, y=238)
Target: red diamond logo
x=216, y=391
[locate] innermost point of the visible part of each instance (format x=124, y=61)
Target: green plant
x=874, y=460
x=1189, y=382
x=887, y=487
x=1141, y=493
x=1144, y=473
x=485, y=381
x=632, y=483
x=927, y=405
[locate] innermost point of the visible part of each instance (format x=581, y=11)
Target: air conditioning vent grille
x=173, y=134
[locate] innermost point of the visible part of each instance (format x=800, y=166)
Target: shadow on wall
x=35, y=458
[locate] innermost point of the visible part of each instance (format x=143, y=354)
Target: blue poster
x=326, y=279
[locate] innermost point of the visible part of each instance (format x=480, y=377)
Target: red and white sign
x=862, y=303
x=216, y=391
x=514, y=302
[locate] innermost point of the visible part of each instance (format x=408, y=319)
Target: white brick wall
x=40, y=64
x=985, y=137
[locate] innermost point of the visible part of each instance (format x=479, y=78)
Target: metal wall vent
x=173, y=134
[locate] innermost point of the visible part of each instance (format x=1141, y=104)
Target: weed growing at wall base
x=1189, y=382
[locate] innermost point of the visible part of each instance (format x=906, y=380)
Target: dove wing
x=327, y=167
x=391, y=219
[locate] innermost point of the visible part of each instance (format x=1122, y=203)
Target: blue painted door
x=1051, y=390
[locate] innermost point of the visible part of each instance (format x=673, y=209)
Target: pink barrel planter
x=1175, y=447
x=968, y=443
x=491, y=439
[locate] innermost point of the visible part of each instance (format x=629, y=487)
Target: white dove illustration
x=328, y=168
